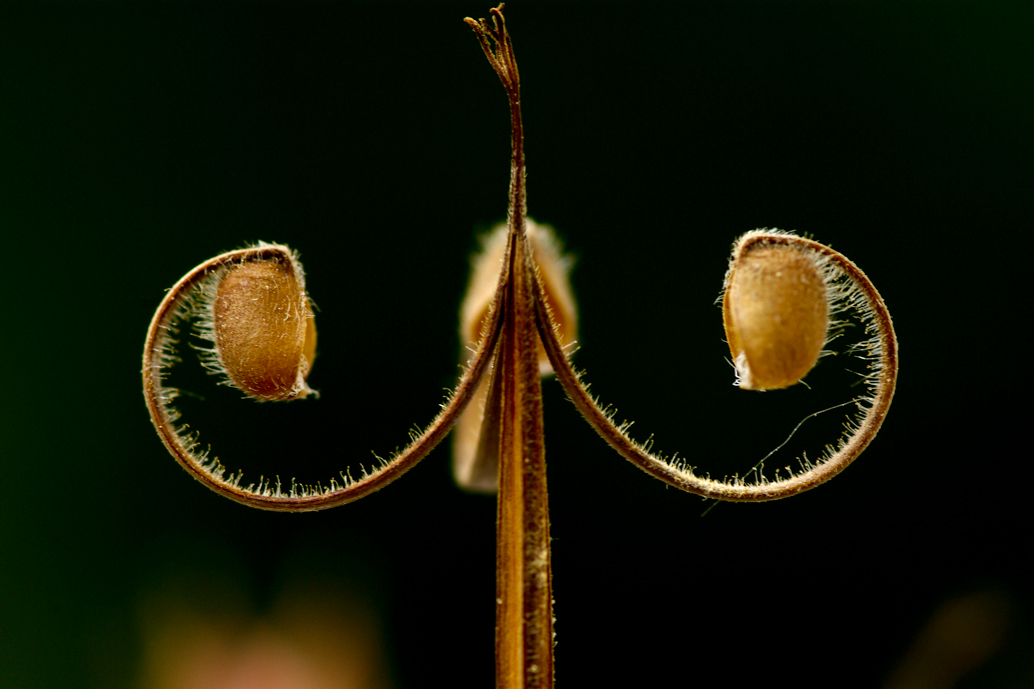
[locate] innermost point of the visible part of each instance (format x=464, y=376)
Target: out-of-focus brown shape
x=961, y=635
x=308, y=641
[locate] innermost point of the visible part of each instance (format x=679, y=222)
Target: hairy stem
x=524, y=619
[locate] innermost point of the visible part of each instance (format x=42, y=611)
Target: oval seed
x=265, y=334
x=776, y=315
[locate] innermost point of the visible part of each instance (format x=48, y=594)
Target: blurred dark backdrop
x=139, y=139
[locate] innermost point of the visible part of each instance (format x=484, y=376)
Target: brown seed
x=265, y=334
x=776, y=314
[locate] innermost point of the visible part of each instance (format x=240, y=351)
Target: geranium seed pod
x=776, y=312
x=263, y=328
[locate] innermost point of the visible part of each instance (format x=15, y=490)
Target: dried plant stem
x=524, y=617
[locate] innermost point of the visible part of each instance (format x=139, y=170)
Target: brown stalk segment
x=524, y=620
x=524, y=623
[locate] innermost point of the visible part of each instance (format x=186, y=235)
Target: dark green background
x=139, y=139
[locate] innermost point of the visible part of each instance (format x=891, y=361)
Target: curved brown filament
x=159, y=355
x=882, y=350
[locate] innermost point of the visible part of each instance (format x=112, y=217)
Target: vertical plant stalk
x=513, y=418
x=524, y=617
